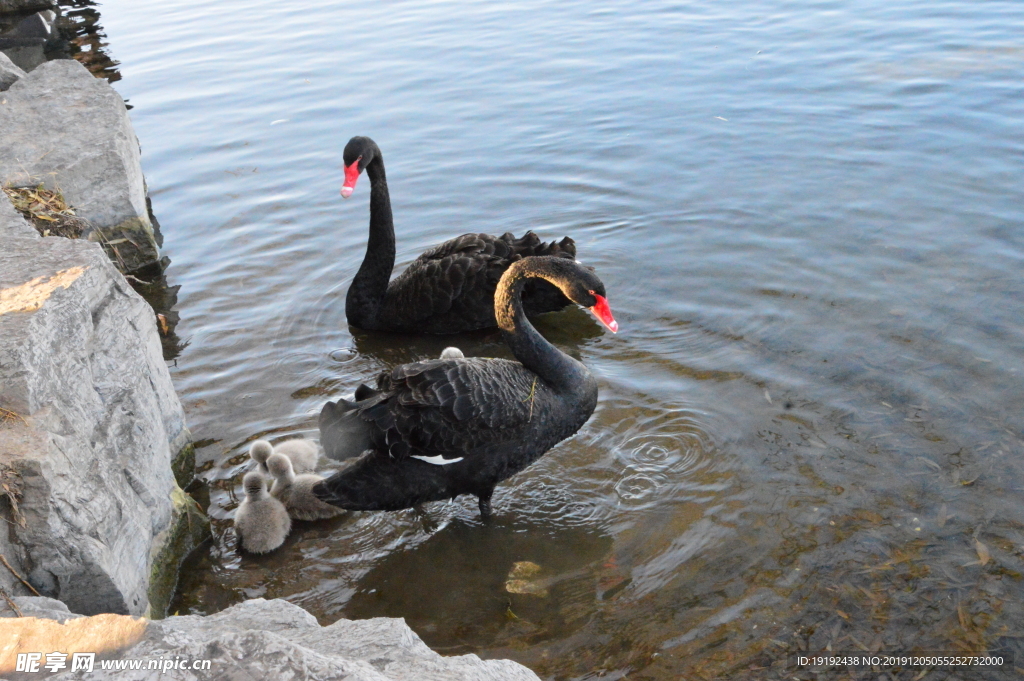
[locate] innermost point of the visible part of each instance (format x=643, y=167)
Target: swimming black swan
x=444, y=427
x=448, y=289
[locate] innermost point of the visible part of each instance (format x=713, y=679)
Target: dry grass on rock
x=47, y=211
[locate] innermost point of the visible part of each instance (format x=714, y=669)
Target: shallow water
x=809, y=220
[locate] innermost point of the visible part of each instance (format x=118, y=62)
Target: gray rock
x=9, y=72
x=12, y=223
x=43, y=608
x=25, y=57
x=25, y=44
x=26, y=5
x=67, y=130
x=261, y=639
x=39, y=26
x=97, y=519
x=12, y=552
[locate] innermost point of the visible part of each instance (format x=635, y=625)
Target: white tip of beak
x=346, y=192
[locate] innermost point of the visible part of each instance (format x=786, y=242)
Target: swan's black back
x=450, y=288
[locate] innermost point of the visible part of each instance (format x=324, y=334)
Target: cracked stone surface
x=97, y=426
x=275, y=639
x=69, y=131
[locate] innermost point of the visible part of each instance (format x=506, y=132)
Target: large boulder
x=67, y=130
x=90, y=433
x=260, y=639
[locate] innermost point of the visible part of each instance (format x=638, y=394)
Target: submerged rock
x=67, y=130
x=91, y=431
x=261, y=639
x=522, y=579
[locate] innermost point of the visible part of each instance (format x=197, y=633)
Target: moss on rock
x=183, y=465
x=188, y=529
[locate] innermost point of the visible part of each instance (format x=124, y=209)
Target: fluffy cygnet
x=302, y=453
x=451, y=353
x=259, y=452
x=261, y=521
x=295, y=491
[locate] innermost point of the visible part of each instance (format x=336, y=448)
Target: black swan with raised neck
x=449, y=288
x=435, y=429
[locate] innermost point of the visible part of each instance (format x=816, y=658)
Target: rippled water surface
x=808, y=216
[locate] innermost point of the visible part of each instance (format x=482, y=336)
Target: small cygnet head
x=253, y=485
x=280, y=466
x=451, y=353
x=260, y=451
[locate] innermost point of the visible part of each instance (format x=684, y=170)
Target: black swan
x=448, y=289
x=444, y=427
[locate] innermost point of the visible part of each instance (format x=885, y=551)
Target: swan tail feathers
x=343, y=433
x=363, y=392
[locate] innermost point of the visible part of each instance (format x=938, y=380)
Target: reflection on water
x=83, y=39
x=570, y=330
x=809, y=431
x=455, y=589
x=957, y=64
x=77, y=34
x=163, y=298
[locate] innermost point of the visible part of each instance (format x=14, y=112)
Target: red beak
x=351, y=175
x=604, y=313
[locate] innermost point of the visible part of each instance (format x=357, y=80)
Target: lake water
x=809, y=217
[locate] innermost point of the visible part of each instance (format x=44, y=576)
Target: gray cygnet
x=261, y=521
x=295, y=491
x=301, y=452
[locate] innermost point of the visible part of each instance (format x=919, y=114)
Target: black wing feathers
x=530, y=244
x=447, y=407
x=452, y=285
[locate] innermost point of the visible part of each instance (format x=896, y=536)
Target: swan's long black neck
x=556, y=368
x=365, y=295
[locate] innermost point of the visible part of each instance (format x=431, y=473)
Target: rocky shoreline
x=255, y=639
x=95, y=452
x=94, y=449
x=68, y=131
